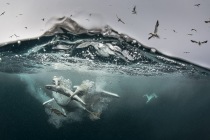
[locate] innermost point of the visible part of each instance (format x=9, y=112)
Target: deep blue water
x=119, y=64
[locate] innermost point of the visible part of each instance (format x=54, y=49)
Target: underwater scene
x=76, y=83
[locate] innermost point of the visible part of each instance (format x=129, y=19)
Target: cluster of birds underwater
x=65, y=98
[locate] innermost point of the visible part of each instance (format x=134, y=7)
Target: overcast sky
x=178, y=15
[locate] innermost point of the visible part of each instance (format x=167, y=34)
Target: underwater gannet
x=150, y=97
x=155, y=31
x=119, y=20
x=198, y=42
x=134, y=10
x=86, y=85
x=65, y=91
x=58, y=112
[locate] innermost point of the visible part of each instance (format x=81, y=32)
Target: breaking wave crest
x=67, y=45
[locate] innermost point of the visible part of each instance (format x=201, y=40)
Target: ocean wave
x=67, y=45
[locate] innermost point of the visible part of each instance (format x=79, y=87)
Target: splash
x=67, y=45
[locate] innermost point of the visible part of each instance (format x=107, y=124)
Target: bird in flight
x=134, y=10
x=155, y=31
x=194, y=30
x=198, y=42
x=16, y=35
x=120, y=20
x=2, y=13
x=197, y=5
x=207, y=21
x=43, y=19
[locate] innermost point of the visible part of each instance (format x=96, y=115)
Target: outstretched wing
x=156, y=27
x=193, y=41
x=150, y=37
x=204, y=41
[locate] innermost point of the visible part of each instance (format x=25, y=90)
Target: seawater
x=180, y=110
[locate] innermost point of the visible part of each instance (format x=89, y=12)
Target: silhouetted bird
x=193, y=30
x=174, y=31
x=43, y=19
x=119, y=20
x=198, y=42
x=134, y=10
x=155, y=31
x=26, y=27
x=207, y=21
x=16, y=35
x=189, y=34
x=2, y=13
x=197, y=5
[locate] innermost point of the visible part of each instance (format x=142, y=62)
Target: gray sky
x=179, y=15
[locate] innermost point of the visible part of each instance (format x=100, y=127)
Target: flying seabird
x=193, y=30
x=174, y=31
x=198, y=42
x=2, y=13
x=43, y=19
x=197, y=5
x=207, y=21
x=16, y=35
x=134, y=10
x=119, y=20
x=155, y=31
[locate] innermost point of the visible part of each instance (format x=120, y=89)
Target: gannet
x=207, y=21
x=197, y=5
x=198, y=42
x=2, y=13
x=193, y=30
x=58, y=112
x=119, y=20
x=150, y=97
x=134, y=10
x=155, y=31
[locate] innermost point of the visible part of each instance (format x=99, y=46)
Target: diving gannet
x=155, y=31
x=150, y=97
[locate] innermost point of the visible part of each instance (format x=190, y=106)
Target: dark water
x=180, y=111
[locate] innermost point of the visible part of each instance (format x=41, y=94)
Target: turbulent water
x=160, y=97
